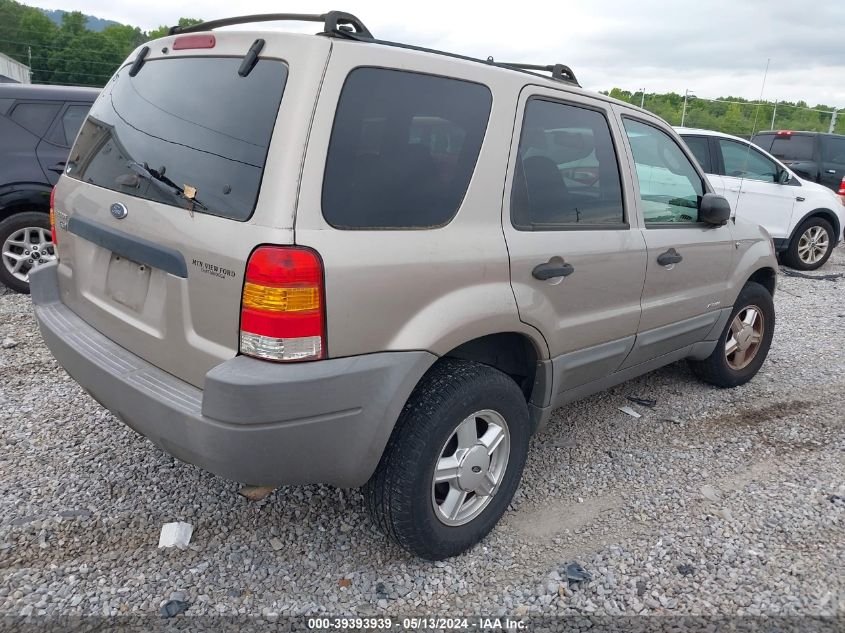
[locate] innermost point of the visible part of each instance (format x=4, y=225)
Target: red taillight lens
x=282, y=307
x=841, y=191
x=785, y=133
x=53, y=218
x=194, y=41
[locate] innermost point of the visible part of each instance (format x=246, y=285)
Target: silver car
x=326, y=258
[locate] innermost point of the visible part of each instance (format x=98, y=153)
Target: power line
x=66, y=83
x=764, y=103
x=60, y=32
x=68, y=72
x=72, y=59
x=33, y=44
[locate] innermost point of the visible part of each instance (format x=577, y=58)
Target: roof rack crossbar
x=560, y=72
x=333, y=22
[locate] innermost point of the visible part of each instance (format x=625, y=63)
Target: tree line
x=70, y=53
x=734, y=115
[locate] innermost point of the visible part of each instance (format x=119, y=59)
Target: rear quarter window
x=700, y=148
x=35, y=117
x=403, y=149
x=764, y=141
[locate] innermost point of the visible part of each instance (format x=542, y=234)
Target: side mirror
x=714, y=209
x=783, y=177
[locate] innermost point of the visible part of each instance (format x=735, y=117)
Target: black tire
x=9, y=226
x=715, y=369
x=399, y=494
x=791, y=257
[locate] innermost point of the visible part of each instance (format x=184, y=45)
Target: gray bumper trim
x=255, y=422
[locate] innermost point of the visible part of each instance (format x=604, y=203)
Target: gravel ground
x=714, y=502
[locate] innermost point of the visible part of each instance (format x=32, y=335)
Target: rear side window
x=793, y=147
x=566, y=173
x=834, y=149
x=188, y=132
x=700, y=148
x=743, y=161
x=403, y=149
x=35, y=117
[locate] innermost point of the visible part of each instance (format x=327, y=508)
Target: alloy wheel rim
x=813, y=245
x=26, y=249
x=470, y=467
x=744, y=337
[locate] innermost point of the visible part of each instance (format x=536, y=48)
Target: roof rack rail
x=334, y=23
x=346, y=25
x=560, y=72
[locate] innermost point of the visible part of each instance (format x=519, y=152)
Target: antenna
x=760, y=100
x=753, y=130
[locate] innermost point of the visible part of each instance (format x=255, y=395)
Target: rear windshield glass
x=793, y=147
x=188, y=132
x=403, y=148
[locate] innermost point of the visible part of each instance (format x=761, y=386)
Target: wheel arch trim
x=824, y=213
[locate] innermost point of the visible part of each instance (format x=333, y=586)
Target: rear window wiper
x=164, y=183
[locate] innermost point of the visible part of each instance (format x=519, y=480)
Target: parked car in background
x=283, y=257
x=38, y=124
x=805, y=219
x=814, y=156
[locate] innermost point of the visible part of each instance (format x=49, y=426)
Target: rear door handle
x=550, y=270
x=831, y=171
x=58, y=167
x=669, y=257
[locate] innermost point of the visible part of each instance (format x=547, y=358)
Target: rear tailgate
x=170, y=187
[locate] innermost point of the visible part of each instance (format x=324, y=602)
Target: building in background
x=13, y=72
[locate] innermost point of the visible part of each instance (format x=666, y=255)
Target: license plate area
x=127, y=282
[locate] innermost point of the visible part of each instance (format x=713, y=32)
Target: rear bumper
x=254, y=422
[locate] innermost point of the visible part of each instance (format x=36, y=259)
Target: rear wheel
x=26, y=244
x=745, y=341
x=811, y=245
x=453, y=462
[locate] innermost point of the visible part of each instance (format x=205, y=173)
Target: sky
x=713, y=48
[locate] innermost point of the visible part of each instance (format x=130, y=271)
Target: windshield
x=188, y=132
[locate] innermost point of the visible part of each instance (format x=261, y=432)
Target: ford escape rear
x=293, y=259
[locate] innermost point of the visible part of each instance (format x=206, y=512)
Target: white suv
x=805, y=219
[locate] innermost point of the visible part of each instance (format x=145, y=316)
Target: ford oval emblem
x=119, y=211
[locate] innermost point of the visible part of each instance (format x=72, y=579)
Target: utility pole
x=642, y=98
x=684, y=113
x=832, y=121
x=774, y=114
x=29, y=53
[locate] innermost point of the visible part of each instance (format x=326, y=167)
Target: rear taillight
x=53, y=219
x=841, y=191
x=785, y=133
x=282, y=308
